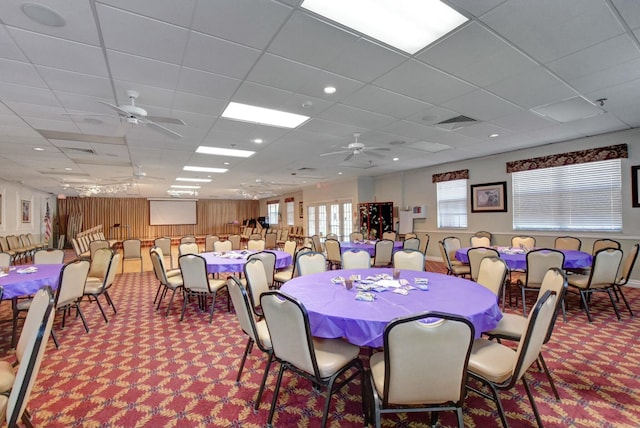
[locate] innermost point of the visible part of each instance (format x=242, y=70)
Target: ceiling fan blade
x=116, y=108
x=335, y=153
x=161, y=129
x=162, y=119
x=349, y=156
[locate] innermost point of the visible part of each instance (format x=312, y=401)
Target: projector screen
x=163, y=212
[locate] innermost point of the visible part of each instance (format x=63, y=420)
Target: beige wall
x=297, y=196
x=11, y=210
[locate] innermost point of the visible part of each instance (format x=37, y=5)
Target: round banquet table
x=234, y=261
x=517, y=258
x=16, y=284
x=368, y=246
x=334, y=312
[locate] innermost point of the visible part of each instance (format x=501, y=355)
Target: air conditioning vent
x=76, y=150
x=456, y=123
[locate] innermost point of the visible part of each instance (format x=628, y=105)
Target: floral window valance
x=462, y=174
x=289, y=200
x=580, y=156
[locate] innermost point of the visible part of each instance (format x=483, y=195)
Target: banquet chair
x=383, y=253
x=498, y=367
x=285, y=275
x=48, y=257
x=164, y=244
x=528, y=242
x=311, y=262
x=457, y=269
x=256, y=330
x=492, y=274
x=70, y=291
x=4, y=245
x=268, y=259
x=475, y=255
x=321, y=361
x=284, y=238
x=512, y=326
x=222, y=246
x=411, y=244
x=331, y=236
x=188, y=248
x=484, y=234
x=410, y=235
x=94, y=245
x=257, y=283
x=316, y=244
x=480, y=241
x=94, y=288
x=423, y=367
x=290, y=247
x=424, y=242
x=624, y=275
x=5, y=260
x=601, y=278
x=208, y=242
x=538, y=263
x=356, y=237
x=256, y=245
x=567, y=243
x=334, y=254
x=26, y=244
x=29, y=354
x=601, y=244
x=188, y=240
x=15, y=246
x=390, y=235
x=165, y=282
x=451, y=245
x=235, y=241
x=356, y=259
x=36, y=244
x=255, y=236
x=131, y=249
x=99, y=264
x=196, y=283
x=270, y=241
x=409, y=260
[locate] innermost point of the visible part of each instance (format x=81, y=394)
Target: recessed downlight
x=494, y=135
x=258, y=140
x=329, y=90
x=43, y=15
x=38, y=149
x=396, y=159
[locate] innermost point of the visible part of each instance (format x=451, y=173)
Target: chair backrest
x=235, y=241
x=523, y=241
x=444, y=255
x=48, y=257
x=270, y=241
x=255, y=236
x=480, y=241
x=383, y=252
x=484, y=234
x=111, y=272
x=164, y=244
x=256, y=280
x=187, y=239
x=390, y=235
x=627, y=267
x=356, y=259
x=604, y=268
x=476, y=255
x=567, y=243
x=288, y=325
x=331, y=236
x=555, y=281
x=256, y=245
x=94, y=245
x=4, y=244
x=284, y=236
x=31, y=347
x=601, y=244
x=492, y=273
x=317, y=245
x=409, y=260
x=311, y=262
x=356, y=236
x=451, y=245
x=333, y=250
x=194, y=273
x=410, y=235
x=208, y=242
x=426, y=357
x=268, y=259
x=539, y=262
x=76, y=247
x=5, y=259
x=100, y=263
x=244, y=312
x=188, y=248
x=71, y=282
x=156, y=256
x=411, y=244
x=424, y=242
x=132, y=249
x=299, y=252
x=222, y=246
x=290, y=247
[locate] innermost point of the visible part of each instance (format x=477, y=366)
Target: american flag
x=47, y=224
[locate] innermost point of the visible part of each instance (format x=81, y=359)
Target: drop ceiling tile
x=355, y=116
x=149, y=96
x=136, y=69
x=264, y=96
x=184, y=101
x=218, y=56
x=206, y=84
x=481, y=105
x=431, y=116
x=537, y=27
x=27, y=94
x=59, y=53
x=325, y=127
x=385, y=102
x=630, y=12
x=174, y=12
x=138, y=35
x=475, y=7
x=83, y=84
x=411, y=130
x=8, y=48
x=19, y=73
x=523, y=121
x=610, y=77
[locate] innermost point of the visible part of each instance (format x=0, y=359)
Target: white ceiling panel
x=630, y=11
x=70, y=82
x=198, y=104
x=8, y=48
x=264, y=96
x=609, y=77
x=481, y=105
x=381, y=101
x=206, y=84
x=20, y=73
x=174, y=12
x=136, y=69
x=475, y=7
x=27, y=94
x=355, y=116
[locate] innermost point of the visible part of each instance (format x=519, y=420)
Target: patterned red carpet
x=143, y=369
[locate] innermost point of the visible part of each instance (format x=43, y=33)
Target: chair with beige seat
x=311, y=262
x=601, y=278
x=256, y=245
x=94, y=288
x=624, y=275
x=284, y=275
x=132, y=251
x=498, y=367
x=567, y=243
x=483, y=234
x=383, y=255
x=235, y=241
x=528, y=242
x=209, y=241
x=165, y=282
x=271, y=241
x=73, y=277
x=94, y=245
x=480, y=241
x=316, y=244
x=334, y=254
x=454, y=267
x=601, y=244
x=408, y=260
x=356, y=237
x=5, y=260
x=411, y=244
x=189, y=239
x=538, y=263
x=196, y=283
x=48, y=257
x=321, y=361
x=492, y=274
x=423, y=367
x=356, y=259
x=257, y=283
x=390, y=235
x=475, y=255
x=164, y=244
x=222, y=246
x=268, y=259
x=188, y=248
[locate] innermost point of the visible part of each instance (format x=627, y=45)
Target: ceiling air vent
x=456, y=123
x=77, y=150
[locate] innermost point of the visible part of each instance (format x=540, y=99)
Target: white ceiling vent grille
x=456, y=123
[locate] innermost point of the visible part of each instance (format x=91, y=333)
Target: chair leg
x=548, y=373
x=163, y=294
x=247, y=349
x=157, y=293
x=55, y=339
x=213, y=303
x=460, y=418
x=613, y=303
x=586, y=305
x=84, y=321
x=274, y=401
x=533, y=403
x=108, y=297
x=624, y=299
x=106, y=320
x=184, y=305
x=524, y=302
x=264, y=381
x=170, y=302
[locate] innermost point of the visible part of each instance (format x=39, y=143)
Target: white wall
x=297, y=196
x=11, y=221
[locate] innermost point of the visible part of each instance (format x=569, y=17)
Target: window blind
x=584, y=196
x=452, y=204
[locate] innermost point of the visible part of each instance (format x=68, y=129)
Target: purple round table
x=517, y=259
x=234, y=261
x=366, y=246
x=334, y=312
x=16, y=284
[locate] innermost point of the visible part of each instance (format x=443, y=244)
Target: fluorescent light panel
x=263, y=116
x=176, y=186
x=194, y=180
x=220, y=151
x=408, y=25
x=205, y=169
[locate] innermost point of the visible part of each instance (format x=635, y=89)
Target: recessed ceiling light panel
x=221, y=151
x=205, y=169
x=194, y=180
x=263, y=116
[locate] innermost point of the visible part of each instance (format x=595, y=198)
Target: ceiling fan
x=357, y=148
x=137, y=115
x=138, y=175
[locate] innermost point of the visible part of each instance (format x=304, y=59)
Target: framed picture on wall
x=635, y=190
x=300, y=210
x=489, y=197
x=26, y=211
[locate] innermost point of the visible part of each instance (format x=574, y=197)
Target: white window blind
x=584, y=196
x=290, y=213
x=272, y=213
x=452, y=204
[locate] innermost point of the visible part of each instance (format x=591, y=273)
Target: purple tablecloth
x=334, y=312
x=216, y=263
x=572, y=259
x=16, y=284
x=370, y=248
